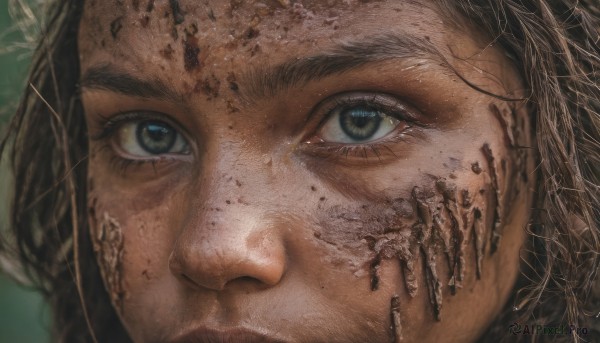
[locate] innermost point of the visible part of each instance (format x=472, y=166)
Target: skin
x=264, y=225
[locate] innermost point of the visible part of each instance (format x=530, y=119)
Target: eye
x=359, y=118
x=147, y=138
x=357, y=124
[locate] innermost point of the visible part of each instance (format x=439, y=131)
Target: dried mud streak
x=374, y=272
x=410, y=278
x=507, y=124
x=450, y=194
x=396, y=320
x=426, y=205
x=467, y=216
x=434, y=286
x=108, y=245
x=499, y=210
x=479, y=239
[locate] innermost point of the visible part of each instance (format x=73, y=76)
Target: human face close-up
x=308, y=171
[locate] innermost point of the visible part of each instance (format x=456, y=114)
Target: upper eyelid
x=110, y=125
x=381, y=101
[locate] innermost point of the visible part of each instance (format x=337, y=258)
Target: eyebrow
x=269, y=81
x=111, y=78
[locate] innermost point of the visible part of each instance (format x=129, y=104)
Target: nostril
x=248, y=280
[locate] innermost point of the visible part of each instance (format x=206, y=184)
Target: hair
x=556, y=45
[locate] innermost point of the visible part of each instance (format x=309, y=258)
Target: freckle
x=231, y=108
x=232, y=80
x=322, y=199
x=210, y=86
x=191, y=30
x=313, y=188
x=212, y=223
x=116, y=26
x=251, y=33
x=237, y=182
x=228, y=202
x=211, y=14
x=167, y=52
x=144, y=21
x=476, y=168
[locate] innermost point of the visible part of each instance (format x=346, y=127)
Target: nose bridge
x=227, y=236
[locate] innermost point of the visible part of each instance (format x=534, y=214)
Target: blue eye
x=360, y=123
x=149, y=138
x=357, y=124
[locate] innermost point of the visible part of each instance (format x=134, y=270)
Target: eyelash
x=366, y=151
x=109, y=129
x=387, y=104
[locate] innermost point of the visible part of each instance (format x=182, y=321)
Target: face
x=301, y=171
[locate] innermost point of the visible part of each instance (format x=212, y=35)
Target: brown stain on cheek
x=437, y=221
x=107, y=241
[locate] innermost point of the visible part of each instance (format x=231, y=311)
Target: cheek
x=132, y=246
x=107, y=239
x=435, y=218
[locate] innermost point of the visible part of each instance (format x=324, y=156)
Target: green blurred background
x=23, y=315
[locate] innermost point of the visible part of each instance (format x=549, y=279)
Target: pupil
x=360, y=123
x=155, y=137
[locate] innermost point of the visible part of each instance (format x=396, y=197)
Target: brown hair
x=555, y=44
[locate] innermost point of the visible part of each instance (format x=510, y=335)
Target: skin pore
x=236, y=188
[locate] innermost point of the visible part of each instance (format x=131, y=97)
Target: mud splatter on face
x=396, y=319
x=436, y=223
x=190, y=53
x=499, y=209
x=150, y=6
x=178, y=14
x=107, y=240
x=512, y=169
x=116, y=26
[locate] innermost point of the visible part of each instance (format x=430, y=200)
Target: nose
x=227, y=247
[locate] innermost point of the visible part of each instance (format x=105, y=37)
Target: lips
x=229, y=335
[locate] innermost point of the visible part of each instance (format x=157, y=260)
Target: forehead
x=190, y=35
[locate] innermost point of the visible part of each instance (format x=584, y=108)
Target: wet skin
x=236, y=182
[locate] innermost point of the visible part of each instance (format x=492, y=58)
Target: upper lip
x=226, y=335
